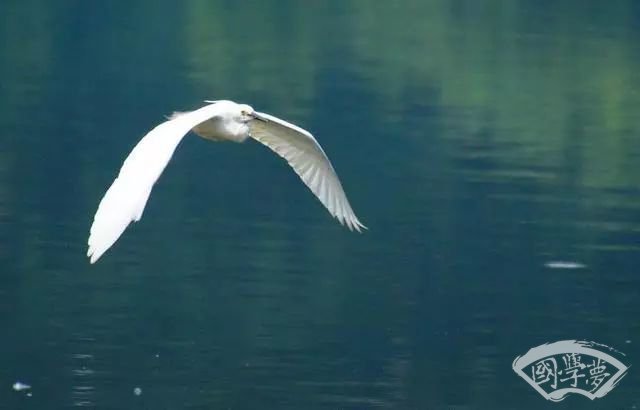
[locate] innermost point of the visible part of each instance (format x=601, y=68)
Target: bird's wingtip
x=93, y=255
x=94, y=258
x=359, y=227
x=354, y=224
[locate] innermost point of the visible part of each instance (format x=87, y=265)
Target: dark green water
x=478, y=140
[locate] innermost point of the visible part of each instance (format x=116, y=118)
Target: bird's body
x=126, y=199
x=220, y=127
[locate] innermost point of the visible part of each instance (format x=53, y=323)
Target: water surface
x=481, y=141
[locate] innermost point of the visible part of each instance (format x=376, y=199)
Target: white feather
x=127, y=196
x=125, y=200
x=307, y=158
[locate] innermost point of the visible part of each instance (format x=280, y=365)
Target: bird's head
x=245, y=112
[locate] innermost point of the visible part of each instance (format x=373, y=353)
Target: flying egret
x=222, y=120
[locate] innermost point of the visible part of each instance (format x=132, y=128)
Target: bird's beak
x=257, y=116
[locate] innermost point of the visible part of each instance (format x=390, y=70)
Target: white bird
x=222, y=120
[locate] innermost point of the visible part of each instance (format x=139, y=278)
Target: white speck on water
x=137, y=391
x=19, y=386
x=29, y=394
x=564, y=265
x=627, y=341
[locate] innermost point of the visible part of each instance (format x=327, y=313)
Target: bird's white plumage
x=125, y=200
x=307, y=158
x=127, y=196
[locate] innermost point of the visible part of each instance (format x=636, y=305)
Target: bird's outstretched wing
x=125, y=200
x=308, y=160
